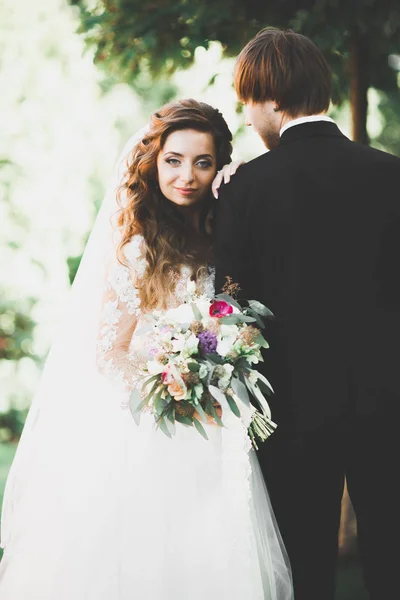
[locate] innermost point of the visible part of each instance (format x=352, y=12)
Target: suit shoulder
x=374, y=154
x=266, y=165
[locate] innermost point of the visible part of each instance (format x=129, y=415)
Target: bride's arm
x=119, y=318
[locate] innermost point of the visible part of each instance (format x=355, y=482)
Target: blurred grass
x=349, y=579
x=7, y=452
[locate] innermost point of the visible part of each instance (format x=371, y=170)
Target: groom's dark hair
x=285, y=67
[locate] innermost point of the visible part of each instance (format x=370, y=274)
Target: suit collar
x=306, y=130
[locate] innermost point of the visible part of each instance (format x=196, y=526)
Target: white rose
x=225, y=345
x=178, y=344
x=231, y=331
x=203, y=372
x=204, y=308
x=180, y=314
x=154, y=367
x=191, y=345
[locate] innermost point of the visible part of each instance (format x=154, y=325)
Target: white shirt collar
x=308, y=119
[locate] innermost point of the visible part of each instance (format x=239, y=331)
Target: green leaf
x=184, y=420
x=197, y=314
x=230, y=320
x=234, y=407
x=261, y=309
x=201, y=412
x=134, y=404
x=193, y=366
x=154, y=387
x=240, y=390
x=142, y=404
x=215, y=416
x=150, y=379
x=261, y=341
x=200, y=428
x=171, y=414
x=215, y=359
x=237, y=318
x=265, y=381
x=158, y=403
x=164, y=428
x=256, y=316
x=229, y=300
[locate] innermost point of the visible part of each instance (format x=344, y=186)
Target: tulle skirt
x=99, y=508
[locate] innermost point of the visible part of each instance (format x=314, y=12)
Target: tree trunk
x=359, y=84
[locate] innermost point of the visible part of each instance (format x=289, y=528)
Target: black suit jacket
x=312, y=230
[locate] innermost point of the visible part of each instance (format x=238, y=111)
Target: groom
x=312, y=229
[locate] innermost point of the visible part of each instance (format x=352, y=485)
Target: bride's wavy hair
x=144, y=209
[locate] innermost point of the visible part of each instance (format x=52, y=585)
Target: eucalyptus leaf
x=256, y=316
x=240, y=390
x=134, y=402
x=262, y=401
x=143, y=404
x=215, y=359
x=171, y=413
x=153, y=388
x=200, y=428
x=164, y=428
x=184, y=420
x=215, y=416
x=261, y=309
x=197, y=314
x=262, y=378
x=151, y=379
x=230, y=320
x=229, y=300
x=171, y=426
x=218, y=395
x=201, y=412
x=193, y=366
x=236, y=318
x=158, y=403
x=233, y=406
x=261, y=341
x=246, y=319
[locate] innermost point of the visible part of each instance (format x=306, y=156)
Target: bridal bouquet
x=201, y=356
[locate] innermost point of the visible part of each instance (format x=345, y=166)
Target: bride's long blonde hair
x=145, y=211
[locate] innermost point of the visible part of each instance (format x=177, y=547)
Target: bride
x=97, y=507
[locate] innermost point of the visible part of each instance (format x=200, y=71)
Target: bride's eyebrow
x=197, y=157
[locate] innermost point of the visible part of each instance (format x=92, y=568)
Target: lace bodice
x=118, y=357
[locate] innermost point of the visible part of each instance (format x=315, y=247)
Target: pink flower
x=174, y=382
x=220, y=308
x=166, y=376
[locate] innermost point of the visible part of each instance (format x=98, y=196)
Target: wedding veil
x=71, y=394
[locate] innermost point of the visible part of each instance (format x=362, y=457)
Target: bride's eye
x=204, y=164
x=172, y=161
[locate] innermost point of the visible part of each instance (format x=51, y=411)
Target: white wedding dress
x=99, y=508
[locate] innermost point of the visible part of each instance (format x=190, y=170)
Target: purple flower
x=207, y=342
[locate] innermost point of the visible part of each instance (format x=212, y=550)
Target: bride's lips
x=186, y=191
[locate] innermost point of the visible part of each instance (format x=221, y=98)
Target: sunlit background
x=63, y=122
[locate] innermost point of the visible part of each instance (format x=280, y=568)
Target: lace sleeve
x=119, y=316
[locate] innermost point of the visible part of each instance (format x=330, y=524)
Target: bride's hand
x=225, y=175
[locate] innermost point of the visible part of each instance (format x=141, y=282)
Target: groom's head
x=279, y=76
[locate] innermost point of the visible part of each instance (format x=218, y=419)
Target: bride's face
x=186, y=166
